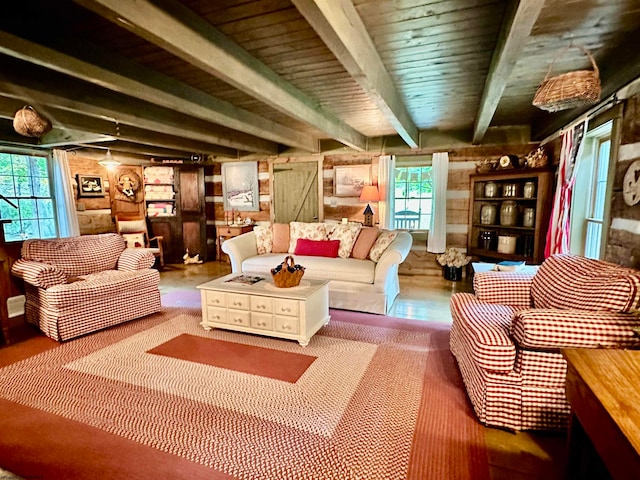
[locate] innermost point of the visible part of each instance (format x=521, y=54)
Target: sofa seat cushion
x=484, y=328
x=320, y=268
x=101, y=286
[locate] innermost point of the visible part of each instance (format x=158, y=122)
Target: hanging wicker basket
x=569, y=90
x=30, y=123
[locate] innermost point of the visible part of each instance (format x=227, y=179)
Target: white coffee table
x=295, y=313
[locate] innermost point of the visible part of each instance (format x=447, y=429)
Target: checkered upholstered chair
x=78, y=285
x=136, y=234
x=507, y=336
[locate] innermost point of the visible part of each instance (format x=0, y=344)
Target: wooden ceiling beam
x=181, y=32
x=519, y=19
x=75, y=121
x=341, y=29
x=28, y=85
x=124, y=76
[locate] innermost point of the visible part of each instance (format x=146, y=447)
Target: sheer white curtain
x=386, y=188
x=437, y=240
x=63, y=191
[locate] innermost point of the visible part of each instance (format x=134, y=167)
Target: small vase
x=452, y=273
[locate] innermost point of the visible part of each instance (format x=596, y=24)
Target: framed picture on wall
x=349, y=179
x=90, y=185
x=240, y=186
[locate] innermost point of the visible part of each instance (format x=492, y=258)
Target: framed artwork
x=349, y=179
x=240, y=186
x=90, y=185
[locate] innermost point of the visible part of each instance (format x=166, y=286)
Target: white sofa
x=360, y=285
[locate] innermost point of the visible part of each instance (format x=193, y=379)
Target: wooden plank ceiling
x=235, y=78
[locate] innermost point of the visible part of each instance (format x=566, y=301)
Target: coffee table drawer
x=263, y=321
x=261, y=304
x=239, y=318
x=286, y=307
x=215, y=299
x=216, y=315
x=287, y=325
x=238, y=302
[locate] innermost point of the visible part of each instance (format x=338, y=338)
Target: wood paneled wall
x=623, y=243
x=462, y=163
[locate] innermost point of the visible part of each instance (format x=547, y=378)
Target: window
x=590, y=201
x=413, y=197
x=25, y=182
x=597, y=201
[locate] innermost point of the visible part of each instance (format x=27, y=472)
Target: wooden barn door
x=295, y=192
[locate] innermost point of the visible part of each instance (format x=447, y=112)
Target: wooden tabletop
x=603, y=388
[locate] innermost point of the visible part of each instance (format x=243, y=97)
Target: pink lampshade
x=369, y=194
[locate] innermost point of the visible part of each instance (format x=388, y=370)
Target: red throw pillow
x=317, y=248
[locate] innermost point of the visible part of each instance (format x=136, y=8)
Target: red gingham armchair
x=507, y=336
x=78, y=285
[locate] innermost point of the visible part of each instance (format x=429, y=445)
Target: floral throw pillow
x=309, y=231
x=347, y=235
x=264, y=239
x=382, y=243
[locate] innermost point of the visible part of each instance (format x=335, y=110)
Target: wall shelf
x=529, y=238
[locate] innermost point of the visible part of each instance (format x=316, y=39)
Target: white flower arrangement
x=452, y=257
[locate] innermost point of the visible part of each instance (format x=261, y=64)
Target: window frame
x=17, y=199
x=412, y=162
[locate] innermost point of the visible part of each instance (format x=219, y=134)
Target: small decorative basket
x=30, y=123
x=569, y=90
x=287, y=274
x=537, y=158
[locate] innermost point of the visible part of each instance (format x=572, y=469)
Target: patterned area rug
x=370, y=397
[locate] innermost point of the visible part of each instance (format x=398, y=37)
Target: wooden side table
x=230, y=231
x=603, y=390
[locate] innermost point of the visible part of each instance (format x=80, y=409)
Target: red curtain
x=558, y=234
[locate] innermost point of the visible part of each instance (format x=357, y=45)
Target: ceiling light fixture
x=108, y=161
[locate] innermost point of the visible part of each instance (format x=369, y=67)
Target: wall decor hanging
x=90, y=186
x=569, y=90
x=349, y=180
x=240, y=186
x=631, y=184
x=128, y=186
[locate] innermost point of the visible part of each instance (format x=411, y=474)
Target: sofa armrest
x=38, y=274
x=544, y=328
x=506, y=288
x=240, y=248
x=394, y=255
x=136, y=259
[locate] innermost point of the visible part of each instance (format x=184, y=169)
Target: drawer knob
x=237, y=320
x=286, y=326
x=262, y=324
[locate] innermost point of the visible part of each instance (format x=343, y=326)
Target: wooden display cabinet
x=486, y=230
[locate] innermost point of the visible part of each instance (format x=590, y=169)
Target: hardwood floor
x=512, y=455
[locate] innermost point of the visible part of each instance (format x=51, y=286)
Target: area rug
x=370, y=397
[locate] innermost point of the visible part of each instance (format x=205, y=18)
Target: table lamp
x=369, y=194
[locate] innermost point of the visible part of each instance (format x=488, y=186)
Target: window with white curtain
x=25, y=181
x=413, y=192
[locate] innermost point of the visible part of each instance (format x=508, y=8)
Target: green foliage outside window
x=413, y=197
x=25, y=181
